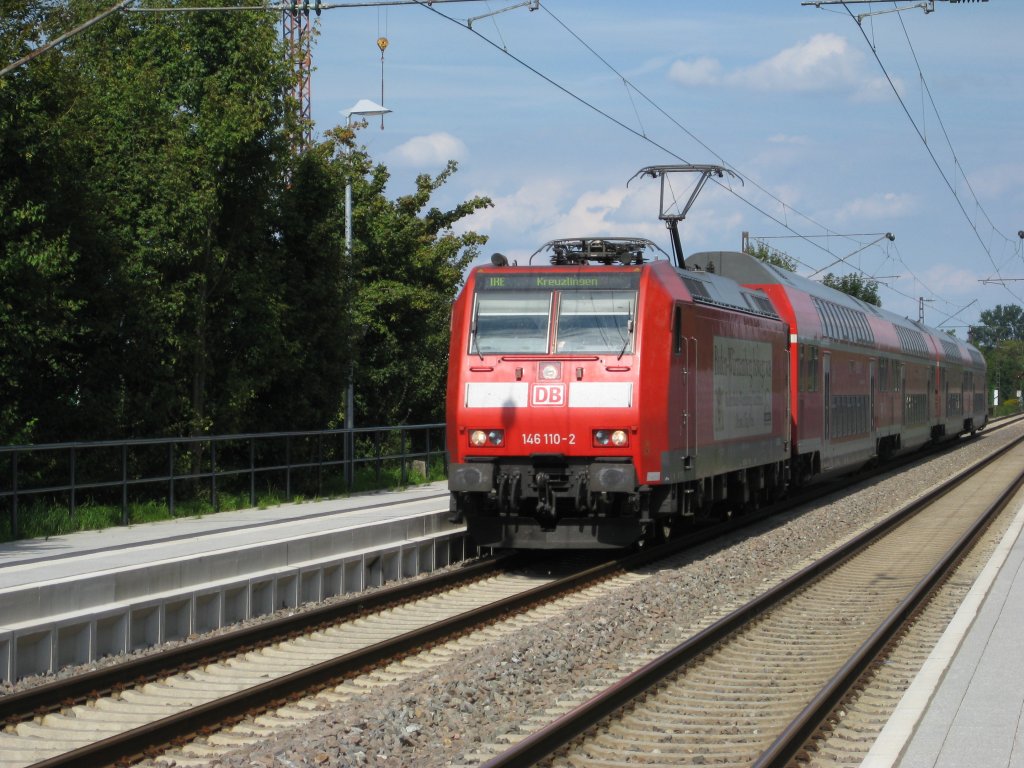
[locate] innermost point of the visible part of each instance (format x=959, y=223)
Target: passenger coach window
x=595, y=321
x=512, y=322
x=812, y=368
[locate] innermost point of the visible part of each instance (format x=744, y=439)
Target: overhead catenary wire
x=61, y=38
x=612, y=118
x=784, y=223
x=931, y=154
x=956, y=160
x=786, y=209
x=124, y=5
x=753, y=182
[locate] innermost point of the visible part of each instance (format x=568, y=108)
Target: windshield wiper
x=629, y=333
x=475, y=344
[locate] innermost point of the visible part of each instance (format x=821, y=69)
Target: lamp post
x=362, y=108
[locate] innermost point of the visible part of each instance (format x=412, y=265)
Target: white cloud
x=818, y=64
x=825, y=62
x=994, y=182
x=883, y=207
x=591, y=213
x=528, y=209
x=547, y=209
x=433, y=149
x=702, y=71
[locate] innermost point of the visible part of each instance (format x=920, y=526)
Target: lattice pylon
x=296, y=32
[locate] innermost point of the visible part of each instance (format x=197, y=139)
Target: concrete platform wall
x=80, y=619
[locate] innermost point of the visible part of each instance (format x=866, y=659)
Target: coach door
x=933, y=393
x=871, y=398
x=684, y=351
x=826, y=399
x=826, y=395
x=903, y=396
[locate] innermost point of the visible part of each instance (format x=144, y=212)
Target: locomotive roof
x=749, y=270
x=721, y=291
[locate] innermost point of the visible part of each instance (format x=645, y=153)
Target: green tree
x=38, y=265
x=152, y=151
x=1000, y=337
x=854, y=285
x=407, y=265
x=1004, y=323
x=1006, y=367
x=772, y=256
x=313, y=369
x=169, y=265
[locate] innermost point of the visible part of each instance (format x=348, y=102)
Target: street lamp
x=362, y=108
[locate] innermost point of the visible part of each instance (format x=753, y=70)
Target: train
x=615, y=396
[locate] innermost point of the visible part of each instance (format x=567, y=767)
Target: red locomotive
x=613, y=396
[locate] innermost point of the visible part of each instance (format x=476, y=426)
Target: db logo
x=547, y=394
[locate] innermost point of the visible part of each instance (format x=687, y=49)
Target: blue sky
x=789, y=96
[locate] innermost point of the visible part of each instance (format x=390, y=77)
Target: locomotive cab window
x=595, y=321
x=512, y=322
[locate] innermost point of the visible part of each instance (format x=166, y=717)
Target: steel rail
x=809, y=721
x=52, y=697
x=560, y=732
x=148, y=740
x=55, y=696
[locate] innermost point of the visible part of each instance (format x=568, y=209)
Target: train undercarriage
x=551, y=502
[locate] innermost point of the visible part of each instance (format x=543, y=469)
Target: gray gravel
x=448, y=716
x=451, y=715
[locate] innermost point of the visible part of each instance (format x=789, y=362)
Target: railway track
x=762, y=685
x=126, y=712
x=135, y=710
x=264, y=672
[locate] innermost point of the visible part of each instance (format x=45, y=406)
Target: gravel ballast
x=452, y=714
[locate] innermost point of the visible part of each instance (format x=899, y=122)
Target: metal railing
x=125, y=472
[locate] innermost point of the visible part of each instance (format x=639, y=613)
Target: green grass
x=1007, y=408
x=43, y=520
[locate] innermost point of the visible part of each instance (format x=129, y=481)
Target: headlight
x=604, y=438
x=479, y=438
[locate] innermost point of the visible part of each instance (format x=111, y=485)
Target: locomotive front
x=542, y=400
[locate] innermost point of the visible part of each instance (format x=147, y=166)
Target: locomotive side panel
x=741, y=379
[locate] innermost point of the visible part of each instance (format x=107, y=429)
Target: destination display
x=557, y=281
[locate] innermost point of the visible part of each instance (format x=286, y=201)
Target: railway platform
x=965, y=707
x=75, y=598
